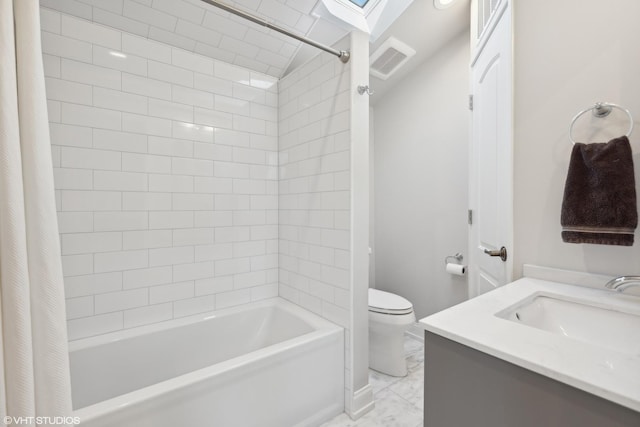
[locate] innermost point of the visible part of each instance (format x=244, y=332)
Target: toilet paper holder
x=457, y=256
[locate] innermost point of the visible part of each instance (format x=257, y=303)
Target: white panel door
x=491, y=161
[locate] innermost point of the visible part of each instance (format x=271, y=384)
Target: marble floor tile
x=379, y=381
x=391, y=411
x=411, y=389
x=412, y=345
x=399, y=400
x=415, y=360
x=341, y=420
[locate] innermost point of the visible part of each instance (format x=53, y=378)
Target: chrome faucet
x=621, y=283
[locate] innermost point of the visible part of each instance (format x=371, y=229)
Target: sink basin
x=603, y=326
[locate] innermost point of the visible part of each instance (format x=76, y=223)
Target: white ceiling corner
x=426, y=30
x=204, y=29
x=201, y=28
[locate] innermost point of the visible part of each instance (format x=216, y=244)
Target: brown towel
x=599, y=204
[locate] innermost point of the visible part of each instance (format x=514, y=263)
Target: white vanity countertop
x=606, y=373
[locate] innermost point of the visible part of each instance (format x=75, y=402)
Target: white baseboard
x=361, y=402
x=416, y=332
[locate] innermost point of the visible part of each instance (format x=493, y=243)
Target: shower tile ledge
x=605, y=373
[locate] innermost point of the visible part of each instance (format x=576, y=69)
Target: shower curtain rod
x=342, y=54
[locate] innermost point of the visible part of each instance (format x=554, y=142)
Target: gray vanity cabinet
x=464, y=387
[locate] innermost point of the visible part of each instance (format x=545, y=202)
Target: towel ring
x=601, y=110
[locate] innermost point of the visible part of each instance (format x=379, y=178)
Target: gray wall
x=420, y=180
x=558, y=73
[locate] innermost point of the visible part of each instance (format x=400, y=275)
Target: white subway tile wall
x=314, y=196
x=165, y=172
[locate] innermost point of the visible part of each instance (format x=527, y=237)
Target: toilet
x=390, y=316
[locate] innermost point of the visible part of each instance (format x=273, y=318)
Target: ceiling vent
x=389, y=57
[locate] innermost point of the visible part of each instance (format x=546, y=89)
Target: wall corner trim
x=362, y=402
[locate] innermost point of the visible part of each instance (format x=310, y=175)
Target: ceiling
x=207, y=30
x=425, y=29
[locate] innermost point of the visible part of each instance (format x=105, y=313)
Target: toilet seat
x=388, y=303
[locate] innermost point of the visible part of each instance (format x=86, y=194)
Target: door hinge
x=470, y=216
x=471, y=102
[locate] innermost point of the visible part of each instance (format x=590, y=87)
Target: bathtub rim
x=315, y=322
x=324, y=332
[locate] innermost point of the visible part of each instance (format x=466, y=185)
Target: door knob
x=502, y=253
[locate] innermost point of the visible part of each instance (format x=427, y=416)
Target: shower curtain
x=34, y=361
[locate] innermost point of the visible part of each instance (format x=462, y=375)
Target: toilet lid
x=388, y=303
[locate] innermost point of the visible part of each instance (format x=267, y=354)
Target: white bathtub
x=269, y=363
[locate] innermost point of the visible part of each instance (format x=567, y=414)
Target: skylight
x=360, y=3
x=371, y=16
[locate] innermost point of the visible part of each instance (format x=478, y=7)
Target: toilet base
x=387, y=356
x=386, y=343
